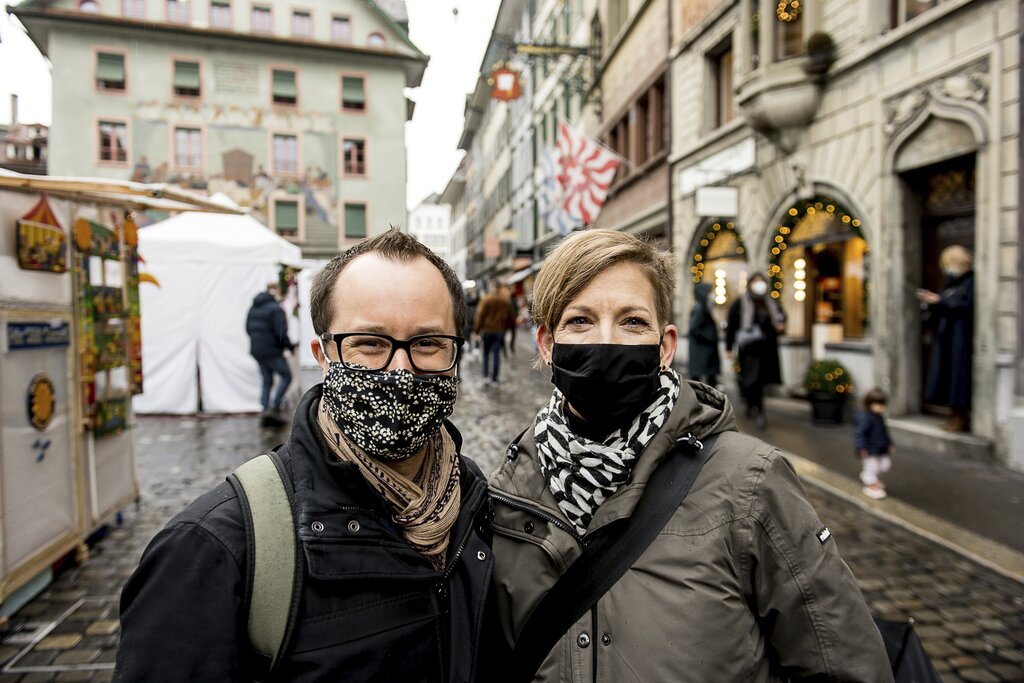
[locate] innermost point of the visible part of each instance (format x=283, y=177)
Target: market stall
x=206, y=268
x=70, y=361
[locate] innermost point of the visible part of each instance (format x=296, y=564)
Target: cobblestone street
x=970, y=618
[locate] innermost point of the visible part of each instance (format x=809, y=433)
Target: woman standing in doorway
x=755, y=322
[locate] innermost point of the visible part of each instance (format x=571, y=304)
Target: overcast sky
x=455, y=46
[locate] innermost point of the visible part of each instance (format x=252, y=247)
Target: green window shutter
x=353, y=91
x=286, y=216
x=110, y=67
x=284, y=84
x=355, y=220
x=186, y=75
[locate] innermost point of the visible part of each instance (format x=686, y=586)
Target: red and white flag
x=585, y=172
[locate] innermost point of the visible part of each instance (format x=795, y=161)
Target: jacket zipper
x=546, y=516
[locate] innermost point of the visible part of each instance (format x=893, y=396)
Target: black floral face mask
x=389, y=415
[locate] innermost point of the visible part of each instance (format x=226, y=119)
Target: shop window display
x=820, y=268
x=720, y=257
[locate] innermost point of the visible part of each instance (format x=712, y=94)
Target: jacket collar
x=700, y=410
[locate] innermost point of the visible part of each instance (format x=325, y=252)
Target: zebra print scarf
x=582, y=473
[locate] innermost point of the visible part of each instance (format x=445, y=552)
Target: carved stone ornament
x=970, y=84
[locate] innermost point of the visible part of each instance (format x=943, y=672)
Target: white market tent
x=194, y=345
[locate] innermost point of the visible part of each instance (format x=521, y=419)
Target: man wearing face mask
x=741, y=583
x=391, y=518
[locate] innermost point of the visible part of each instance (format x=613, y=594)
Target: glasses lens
x=433, y=354
x=364, y=351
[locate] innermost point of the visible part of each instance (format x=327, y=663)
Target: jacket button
x=353, y=526
x=583, y=640
x=528, y=527
x=606, y=639
x=318, y=527
x=481, y=555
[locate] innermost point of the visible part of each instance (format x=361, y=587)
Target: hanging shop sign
x=505, y=84
x=37, y=335
x=41, y=241
x=718, y=202
x=40, y=401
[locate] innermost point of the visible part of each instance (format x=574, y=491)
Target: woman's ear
x=544, y=343
x=669, y=342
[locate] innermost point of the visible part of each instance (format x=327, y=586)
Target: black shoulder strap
x=273, y=560
x=606, y=556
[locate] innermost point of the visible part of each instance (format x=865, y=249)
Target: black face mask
x=608, y=384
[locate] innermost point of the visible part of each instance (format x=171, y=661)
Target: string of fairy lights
x=825, y=208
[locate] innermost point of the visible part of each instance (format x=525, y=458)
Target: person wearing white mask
x=755, y=321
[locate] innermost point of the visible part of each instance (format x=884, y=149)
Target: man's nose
x=400, y=361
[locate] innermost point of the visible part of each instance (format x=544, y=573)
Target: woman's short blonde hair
x=957, y=258
x=582, y=256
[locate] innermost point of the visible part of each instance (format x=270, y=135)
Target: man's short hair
x=393, y=245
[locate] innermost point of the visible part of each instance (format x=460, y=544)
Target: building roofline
x=415, y=64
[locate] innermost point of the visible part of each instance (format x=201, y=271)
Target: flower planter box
x=827, y=408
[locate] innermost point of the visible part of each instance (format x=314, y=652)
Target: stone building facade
x=839, y=150
x=295, y=110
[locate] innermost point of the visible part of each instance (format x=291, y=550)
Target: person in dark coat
x=267, y=327
x=755, y=321
x=392, y=519
x=703, y=363
x=952, y=313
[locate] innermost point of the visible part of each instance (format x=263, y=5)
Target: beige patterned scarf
x=425, y=507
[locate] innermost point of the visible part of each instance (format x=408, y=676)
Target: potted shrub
x=828, y=384
x=821, y=52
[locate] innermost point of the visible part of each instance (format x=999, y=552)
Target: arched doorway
x=820, y=267
x=719, y=257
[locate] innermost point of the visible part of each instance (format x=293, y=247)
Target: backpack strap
x=274, y=564
x=606, y=556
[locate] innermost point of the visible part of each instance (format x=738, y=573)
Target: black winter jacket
x=267, y=327
x=373, y=608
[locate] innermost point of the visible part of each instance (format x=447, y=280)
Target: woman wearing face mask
x=702, y=361
x=736, y=585
x=754, y=323
x=952, y=312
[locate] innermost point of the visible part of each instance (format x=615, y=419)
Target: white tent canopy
x=194, y=345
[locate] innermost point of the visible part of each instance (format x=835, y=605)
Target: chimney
x=14, y=110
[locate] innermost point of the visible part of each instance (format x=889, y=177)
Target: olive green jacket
x=744, y=583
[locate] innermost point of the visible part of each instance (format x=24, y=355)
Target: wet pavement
x=970, y=618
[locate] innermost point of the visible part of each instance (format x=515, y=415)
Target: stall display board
x=108, y=328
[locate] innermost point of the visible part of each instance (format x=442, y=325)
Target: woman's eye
x=577, y=320
x=637, y=322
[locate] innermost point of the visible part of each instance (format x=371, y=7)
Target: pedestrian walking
x=702, y=362
x=267, y=327
x=731, y=575
x=873, y=443
x=951, y=317
x=389, y=545
x=754, y=323
x=495, y=316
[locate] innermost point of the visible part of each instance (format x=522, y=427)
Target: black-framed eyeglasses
x=373, y=352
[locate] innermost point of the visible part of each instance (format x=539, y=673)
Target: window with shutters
x=178, y=11
x=353, y=93
x=285, y=153
x=262, y=21
x=302, y=24
x=187, y=78
x=720, y=64
x=220, y=15
x=341, y=29
x=354, y=152
x=113, y=139
x=285, y=90
x=134, y=9
x=355, y=221
x=286, y=217
x=188, y=148
x=110, y=71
